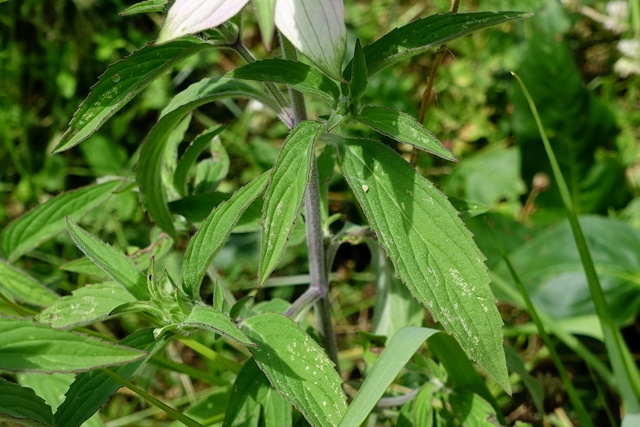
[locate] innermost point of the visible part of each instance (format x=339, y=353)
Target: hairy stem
x=318, y=291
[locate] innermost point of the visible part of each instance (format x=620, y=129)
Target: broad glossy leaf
x=213, y=232
x=252, y=396
x=28, y=346
x=120, y=83
x=17, y=284
x=422, y=34
x=91, y=390
x=284, y=195
x=359, y=77
x=403, y=128
x=193, y=16
x=86, y=305
x=205, y=317
x=147, y=6
x=297, y=367
x=316, y=28
x=191, y=155
x=23, y=406
x=149, y=174
x=297, y=75
x=265, y=12
x=113, y=262
x=550, y=268
x=430, y=247
x=47, y=220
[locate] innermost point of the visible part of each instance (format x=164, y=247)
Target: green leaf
x=33, y=347
x=252, y=396
x=265, y=12
x=472, y=410
x=86, y=305
x=147, y=6
x=394, y=308
x=297, y=75
x=120, y=83
x=285, y=193
x=197, y=207
x=91, y=390
x=19, y=285
x=191, y=155
x=208, y=318
x=422, y=34
x=550, y=268
x=403, y=128
x=358, y=82
x=23, y=406
x=149, y=174
x=47, y=220
x=397, y=353
x=430, y=247
x=297, y=367
x=213, y=232
x=113, y=262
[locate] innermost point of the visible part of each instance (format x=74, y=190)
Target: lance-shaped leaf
x=193, y=16
x=403, y=128
x=297, y=367
x=191, y=155
x=253, y=396
x=213, y=232
x=285, y=193
x=297, y=75
x=23, y=406
x=430, y=247
x=395, y=356
x=47, y=220
x=208, y=318
x=17, y=284
x=146, y=6
x=86, y=305
x=265, y=12
x=149, y=174
x=113, y=262
x=120, y=83
x=28, y=346
x=91, y=390
x=316, y=28
x=422, y=34
x=359, y=77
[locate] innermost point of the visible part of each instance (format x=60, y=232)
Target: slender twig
x=319, y=286
x=428, y=95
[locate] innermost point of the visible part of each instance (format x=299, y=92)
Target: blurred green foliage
x=52, y=52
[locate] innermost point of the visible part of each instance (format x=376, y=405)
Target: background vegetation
x=580, y=61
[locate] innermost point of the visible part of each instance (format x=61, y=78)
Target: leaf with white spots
x=297, y=367
x=284, y=195
x=432, y=250
x=87, y=305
